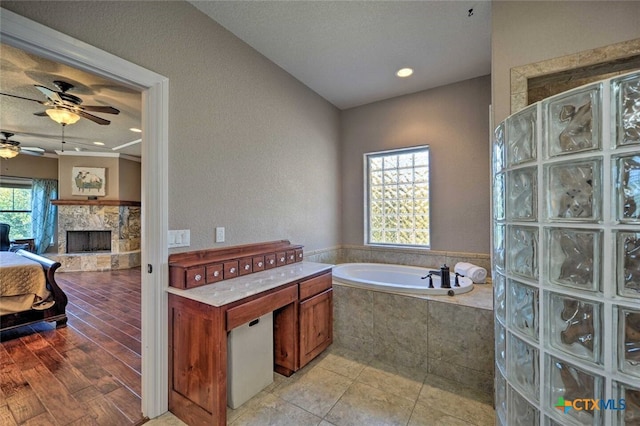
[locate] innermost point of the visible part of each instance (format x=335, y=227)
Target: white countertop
x=234, y=289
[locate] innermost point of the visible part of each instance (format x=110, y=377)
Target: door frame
x=32, y=37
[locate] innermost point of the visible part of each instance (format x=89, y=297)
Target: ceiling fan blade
x=51, y=94
x=93, y=118
x=40, y=114
x=102, y=109
x=22, y=97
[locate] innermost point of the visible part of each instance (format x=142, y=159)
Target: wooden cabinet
x=315, y=318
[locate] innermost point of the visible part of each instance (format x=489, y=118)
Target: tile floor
x=341, y=388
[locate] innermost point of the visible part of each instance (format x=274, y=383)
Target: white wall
x=250, y=149
x=454, y=121
x=524, y=32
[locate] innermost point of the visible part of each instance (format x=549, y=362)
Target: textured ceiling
x=348, y=51
x=19, y=71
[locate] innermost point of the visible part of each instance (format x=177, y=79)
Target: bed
x=28, y=291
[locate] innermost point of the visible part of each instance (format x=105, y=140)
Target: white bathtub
x=396, y=279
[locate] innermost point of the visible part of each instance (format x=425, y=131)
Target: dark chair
x=5, y=243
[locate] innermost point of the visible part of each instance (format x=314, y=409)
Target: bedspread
x=22, y=283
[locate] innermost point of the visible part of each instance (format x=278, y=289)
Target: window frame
x=18, y=183
x=367, y=201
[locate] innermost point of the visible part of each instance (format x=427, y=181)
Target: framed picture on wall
x=89, y=181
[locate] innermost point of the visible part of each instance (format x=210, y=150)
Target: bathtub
x=396, y=279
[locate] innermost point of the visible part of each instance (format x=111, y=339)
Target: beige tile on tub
x=365, y=405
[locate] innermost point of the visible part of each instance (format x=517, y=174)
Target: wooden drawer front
x=230, y=269
x=214, y=273
x=314, y=286
x=281, y=258
x=291, y=256
x=270, y=261
x=246, y=266
x=256, y=308
x=194, y=277
x=299, y=255
x=258, y=263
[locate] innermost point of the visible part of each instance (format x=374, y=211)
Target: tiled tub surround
x=451, y=337
x=122, y=220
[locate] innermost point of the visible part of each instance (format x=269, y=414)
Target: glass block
x=522, y=194
x=501, y=397
x=521, y=412
x=499, y=297
x=628, y=263
x=521, y=136
x=627, y=101
x=628, y=189
x=523, y=369
x=630, y=415
x=498, y=246
x=501, y=346
x=568, y=383
x=522, y=303
x=573, y=122
x=575, y=326
x=499, y=197
x=574, y=257
x=629, y=341
x=551, y=422
x=573, y=191
x=522, y=255
x=498, y=149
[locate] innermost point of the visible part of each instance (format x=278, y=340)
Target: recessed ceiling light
x=133, y=129
x=98, y=143
x=404, y=72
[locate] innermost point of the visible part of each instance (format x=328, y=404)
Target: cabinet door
x=316, y=325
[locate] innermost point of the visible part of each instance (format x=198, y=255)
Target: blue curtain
x=43, y=213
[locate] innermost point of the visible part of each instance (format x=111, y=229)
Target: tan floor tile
x=424, y=415
x=379, y=378
x=250, y=405
x=274, y=411
x=344, y=362
x=167, y=419
x=316, y=391
x=365, y=405
x=470, y=410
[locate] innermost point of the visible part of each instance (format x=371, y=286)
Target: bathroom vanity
x=299, y=294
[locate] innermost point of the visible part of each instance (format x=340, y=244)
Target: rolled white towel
x=477, y=274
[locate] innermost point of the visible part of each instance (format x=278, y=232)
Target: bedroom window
x=397, y=197
x=15, y=206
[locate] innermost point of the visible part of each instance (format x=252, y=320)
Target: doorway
x=35, y=38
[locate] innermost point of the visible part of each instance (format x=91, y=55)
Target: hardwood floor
x=88, y=373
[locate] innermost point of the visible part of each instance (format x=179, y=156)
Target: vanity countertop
x=229, y=291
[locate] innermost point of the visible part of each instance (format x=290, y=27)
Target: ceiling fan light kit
x=7, y=152
x=62, y=116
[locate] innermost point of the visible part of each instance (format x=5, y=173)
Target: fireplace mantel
x=96, y=203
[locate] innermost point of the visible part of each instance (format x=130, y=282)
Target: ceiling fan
x=65, y=108
x=9, y=148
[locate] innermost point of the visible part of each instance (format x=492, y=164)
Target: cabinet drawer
x=258, y=263
x=315, y=285
x=230, y=269
x=194, y=277
x=299, y=255
x=270, y=261
x=256, y=308
x=246, y=266
x=281, y=258
x=291, y=256
x=214, y=273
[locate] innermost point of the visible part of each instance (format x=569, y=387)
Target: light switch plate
x=179, y=238
x=219, y=234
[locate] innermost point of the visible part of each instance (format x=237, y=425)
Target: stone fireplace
x=98, y=235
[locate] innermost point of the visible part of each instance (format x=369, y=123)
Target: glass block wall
x=566, y=258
